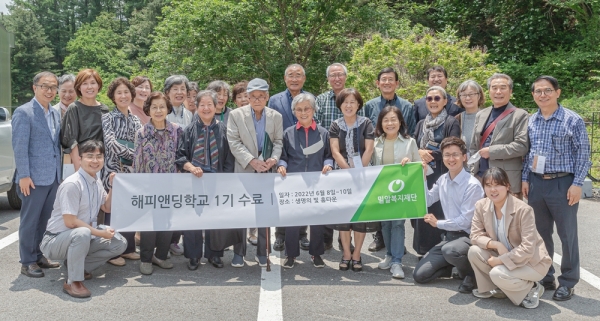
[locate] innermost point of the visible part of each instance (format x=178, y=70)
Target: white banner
x=160, y=202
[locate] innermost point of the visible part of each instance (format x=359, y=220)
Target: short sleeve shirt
x=365, y=131
x=81, y=195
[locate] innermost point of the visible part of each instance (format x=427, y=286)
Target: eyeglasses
x=337, y=75
x=432, y=98
x=46, y=87
x=303, y=111
x=455, y=156
x=92, y=157
x=387, y=80
x=469, y=95
x=294, y=76
x=539, y=92
x=259, y=98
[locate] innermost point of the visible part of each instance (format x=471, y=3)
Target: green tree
x=99, y=45
x=235, y=40
x=31, y=53
x=411, y=57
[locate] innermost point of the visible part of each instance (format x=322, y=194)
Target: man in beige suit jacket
x=509, y=142
x=246, y=129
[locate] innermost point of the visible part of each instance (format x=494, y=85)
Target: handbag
x=128, y=144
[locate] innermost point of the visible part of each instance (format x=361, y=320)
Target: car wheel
x=13, y=198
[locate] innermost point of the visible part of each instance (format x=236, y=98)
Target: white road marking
x=270, y=302
x=583, y=273
x=9, y=240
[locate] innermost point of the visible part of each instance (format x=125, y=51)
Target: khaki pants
x=515, y=284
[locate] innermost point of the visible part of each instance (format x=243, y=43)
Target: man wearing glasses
x=247, y=129
x=72, y=233
x=553, y=173
x=500, y=135
x=457, y=191
x=36, y=146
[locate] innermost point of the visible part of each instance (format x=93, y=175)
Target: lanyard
x=349, y=131
x=91, y=210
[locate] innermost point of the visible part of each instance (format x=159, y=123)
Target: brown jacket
x=509, y=144
x=528, y=246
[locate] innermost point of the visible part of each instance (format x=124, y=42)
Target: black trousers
x=261, y=246
x=129, y=236
x=194, y=244
x=292, y=247
x=280, y=232
x=151, y=240
x=327, y=234
x=548, y=198
x=176, y=236
x=451, y=251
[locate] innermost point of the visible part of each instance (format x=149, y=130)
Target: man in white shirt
x=458, y=192
x=72, y=233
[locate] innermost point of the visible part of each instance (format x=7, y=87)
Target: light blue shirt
x=458, y=198
x=259, y=127
x=49, y=117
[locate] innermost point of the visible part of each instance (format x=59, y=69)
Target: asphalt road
x=306, y=293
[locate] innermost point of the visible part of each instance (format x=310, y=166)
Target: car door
x=7, y=159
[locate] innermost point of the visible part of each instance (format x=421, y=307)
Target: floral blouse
x=155, y=150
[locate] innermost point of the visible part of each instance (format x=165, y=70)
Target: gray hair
x=210, y=93
x=194, y=86
x=292, y=66
x=176, y=80
x=219, y=85
x=500, y=76
x=470, y=84
x=43, y=74
x=301, y=97
x=334, y=65
x=66, y=78
x=438, y=88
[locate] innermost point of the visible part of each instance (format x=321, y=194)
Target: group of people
x=480, y=163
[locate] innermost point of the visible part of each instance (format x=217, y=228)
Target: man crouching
x=72, y=233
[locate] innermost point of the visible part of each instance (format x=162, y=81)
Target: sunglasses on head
x=432, y=98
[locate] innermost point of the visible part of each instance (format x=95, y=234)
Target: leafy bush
x=411, y=57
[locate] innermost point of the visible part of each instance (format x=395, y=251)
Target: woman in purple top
x=155, y=151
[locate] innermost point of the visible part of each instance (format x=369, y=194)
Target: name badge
x=355, y=162
x=539, y=162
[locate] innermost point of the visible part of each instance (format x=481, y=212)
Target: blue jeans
x=393, y=237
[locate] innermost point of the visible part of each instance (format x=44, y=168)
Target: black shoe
x=317, y=261
x=32, y=270
x=377, y=244
x=357, y=265
x=549, y=285
x=279, y=244
x=328, y=245
x=193, y=264
x=44, y=263
x=467, y=285
x=563, y=293
x=304, y=243
x=216, y=262
x=289, y=262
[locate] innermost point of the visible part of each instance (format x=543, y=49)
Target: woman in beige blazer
x=508, y=255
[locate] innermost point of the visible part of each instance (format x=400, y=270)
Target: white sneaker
x=397, y=272
x=176, y=249
x=386, y=263
x=532, y=300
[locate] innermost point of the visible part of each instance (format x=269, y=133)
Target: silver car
x=7, y=161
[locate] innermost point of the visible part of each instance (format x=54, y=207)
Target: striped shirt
x=327, y=111
x=563, y=140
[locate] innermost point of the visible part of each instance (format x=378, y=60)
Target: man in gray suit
x=247, y=129
x=36, y=145
x=500, y=134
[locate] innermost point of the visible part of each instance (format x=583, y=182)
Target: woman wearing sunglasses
x=429, y=134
